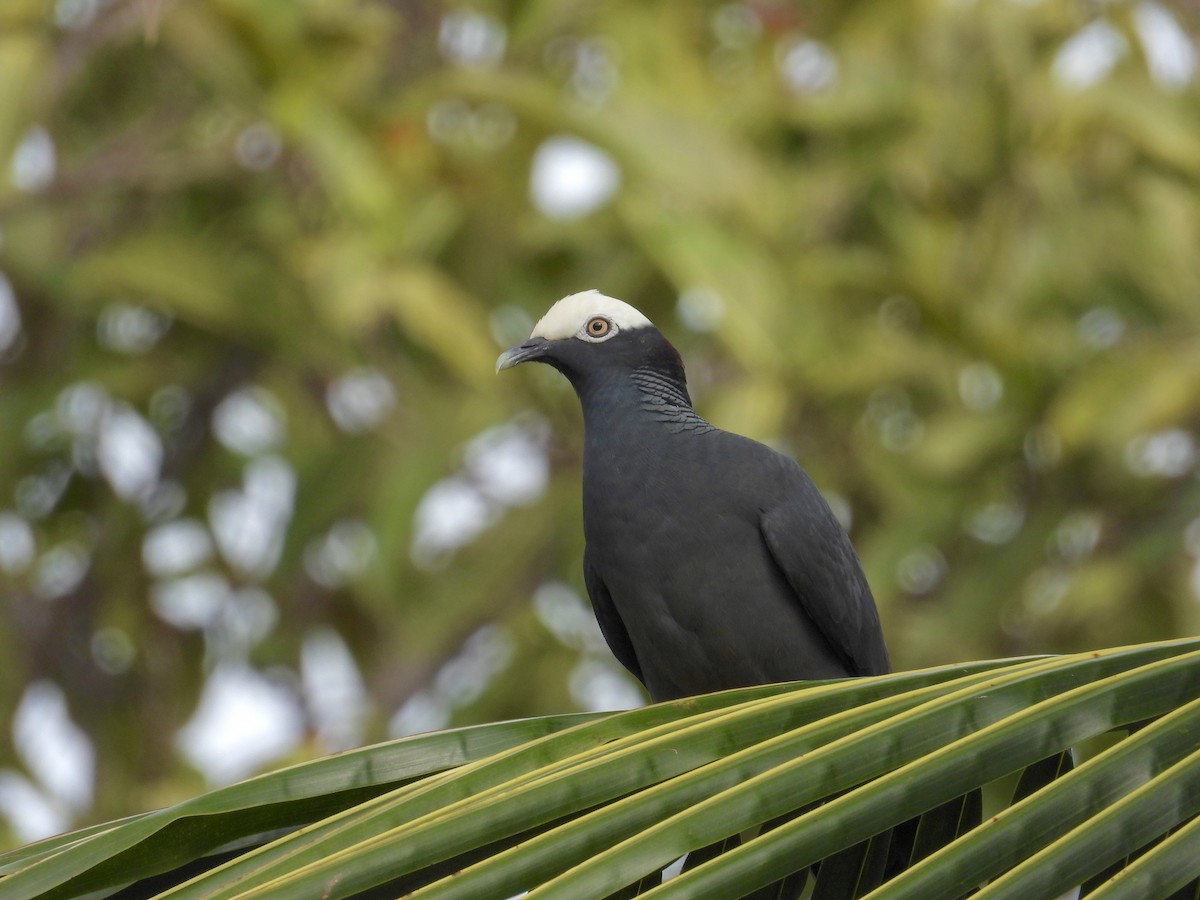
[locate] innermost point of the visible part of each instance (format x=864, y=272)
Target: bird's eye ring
x=597, y=327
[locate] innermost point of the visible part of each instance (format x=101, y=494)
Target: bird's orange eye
x=598, y=327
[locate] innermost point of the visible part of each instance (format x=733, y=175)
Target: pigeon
x=711, y=560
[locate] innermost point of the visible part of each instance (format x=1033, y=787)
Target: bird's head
x=588, y=333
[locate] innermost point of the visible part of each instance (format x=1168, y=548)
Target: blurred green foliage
x=949, y=265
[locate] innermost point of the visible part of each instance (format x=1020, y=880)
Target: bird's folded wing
x=821, y=568
x=609, y=619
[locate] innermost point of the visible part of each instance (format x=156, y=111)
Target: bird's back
x=674, y=524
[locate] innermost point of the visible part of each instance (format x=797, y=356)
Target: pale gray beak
x=531, y=349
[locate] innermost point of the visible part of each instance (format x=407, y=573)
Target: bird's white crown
x=568, y=316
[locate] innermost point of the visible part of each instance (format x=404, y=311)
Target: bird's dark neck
x=664, y=395
x=652, y=395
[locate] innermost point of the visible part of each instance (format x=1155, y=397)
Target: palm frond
x=788, y=778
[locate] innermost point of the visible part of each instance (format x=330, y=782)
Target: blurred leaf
x=184, y=275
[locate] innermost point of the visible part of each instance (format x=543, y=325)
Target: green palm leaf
x=787, y=776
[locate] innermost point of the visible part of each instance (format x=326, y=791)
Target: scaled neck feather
x=665, y=396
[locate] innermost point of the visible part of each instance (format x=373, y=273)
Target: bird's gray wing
x=609, y=619
x=822, y=569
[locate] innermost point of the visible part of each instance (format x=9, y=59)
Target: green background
x=906, y=241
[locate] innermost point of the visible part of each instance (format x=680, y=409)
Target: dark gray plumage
x=711, y=560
